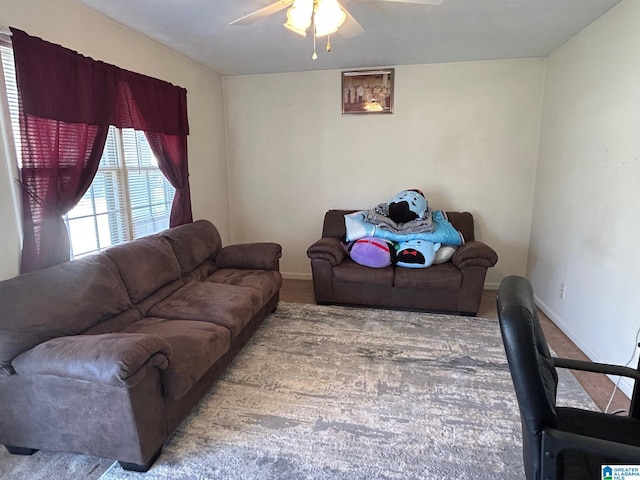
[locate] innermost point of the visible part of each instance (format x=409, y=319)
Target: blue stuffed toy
x=416, y=253
x=407, y=205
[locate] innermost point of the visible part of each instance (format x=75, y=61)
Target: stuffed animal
x=407, y=205
x=416, y=253
x=372, y=252
x=444, y=254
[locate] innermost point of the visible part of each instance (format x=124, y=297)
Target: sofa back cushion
x=59, y=301
x=333, y=225
x=463, y=222
x=146, y=265
x=194, y=244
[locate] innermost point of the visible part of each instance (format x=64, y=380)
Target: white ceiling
x=395, y=33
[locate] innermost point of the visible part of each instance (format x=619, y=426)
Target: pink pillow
x=372, y=252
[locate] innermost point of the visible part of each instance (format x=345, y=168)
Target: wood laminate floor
x=598, y=386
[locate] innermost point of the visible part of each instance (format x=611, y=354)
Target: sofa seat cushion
x=267, y=282
x=195, y=346
x=444, y=277
x=231, y=306
x=350, y=272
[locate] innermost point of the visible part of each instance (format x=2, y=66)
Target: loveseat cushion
x=333, y=225
x=195, y=347
x=443, y=276
x=350, y=272
x=58, y=301
x=145, y=264
x=194, y=243
x=231, y=306
x=267, y=282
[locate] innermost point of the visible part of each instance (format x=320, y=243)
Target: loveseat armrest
x=250, y=256
x=474, y=254
x=119, y=359
x=328, y=248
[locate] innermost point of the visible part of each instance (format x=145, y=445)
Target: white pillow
x=444, y=254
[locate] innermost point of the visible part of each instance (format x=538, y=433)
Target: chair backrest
x=534, y=376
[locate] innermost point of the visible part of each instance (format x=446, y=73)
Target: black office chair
x=559, y=442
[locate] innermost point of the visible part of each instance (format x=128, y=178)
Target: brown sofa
x=106, y=355
x=453, y=287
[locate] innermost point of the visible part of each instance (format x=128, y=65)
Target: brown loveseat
x=105, y=355
x=454, y=287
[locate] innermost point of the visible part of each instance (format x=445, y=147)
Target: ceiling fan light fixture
x=328, y=17
x=299, y=16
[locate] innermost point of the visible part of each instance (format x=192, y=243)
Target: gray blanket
x=379, y=217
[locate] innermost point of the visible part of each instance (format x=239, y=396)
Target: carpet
x=325, y=392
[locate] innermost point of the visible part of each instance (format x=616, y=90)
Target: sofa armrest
x=119, y=359
x=328, y=248
x=474, y=254
x=250, y=256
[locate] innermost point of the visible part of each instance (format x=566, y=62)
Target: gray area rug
x=341, y=393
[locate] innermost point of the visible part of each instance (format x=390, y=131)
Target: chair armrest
x=605, y=368
x=474, y=254
x=119, y=359
x=328, y=248
x=250, y=256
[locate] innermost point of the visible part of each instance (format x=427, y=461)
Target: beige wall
x=585, y=219
x=464, y=133
x=81, y=29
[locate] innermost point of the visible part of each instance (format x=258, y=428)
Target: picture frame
x=366, y=92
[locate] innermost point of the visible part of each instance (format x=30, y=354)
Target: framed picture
x=367, y=91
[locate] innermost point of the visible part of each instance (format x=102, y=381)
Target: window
x=129, y=196
x=11, y=90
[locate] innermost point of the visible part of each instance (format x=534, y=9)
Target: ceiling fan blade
x=350, y=28
x=417, y=2
x=262, y=13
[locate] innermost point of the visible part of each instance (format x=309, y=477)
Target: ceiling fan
x=325, y=17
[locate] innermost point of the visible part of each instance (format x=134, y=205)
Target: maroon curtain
x=67, y=102
x=171, y=151
x=169, y=148
x=59, y=162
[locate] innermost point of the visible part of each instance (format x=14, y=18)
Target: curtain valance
x=60, y=84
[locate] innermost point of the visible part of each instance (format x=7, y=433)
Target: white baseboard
x=625, y=385
x=296, y=276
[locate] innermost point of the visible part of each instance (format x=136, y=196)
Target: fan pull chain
x=315, y=55
x=328, y=43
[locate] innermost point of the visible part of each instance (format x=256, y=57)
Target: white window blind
x=129, y=196
x=9, y=73
x=150, y=194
